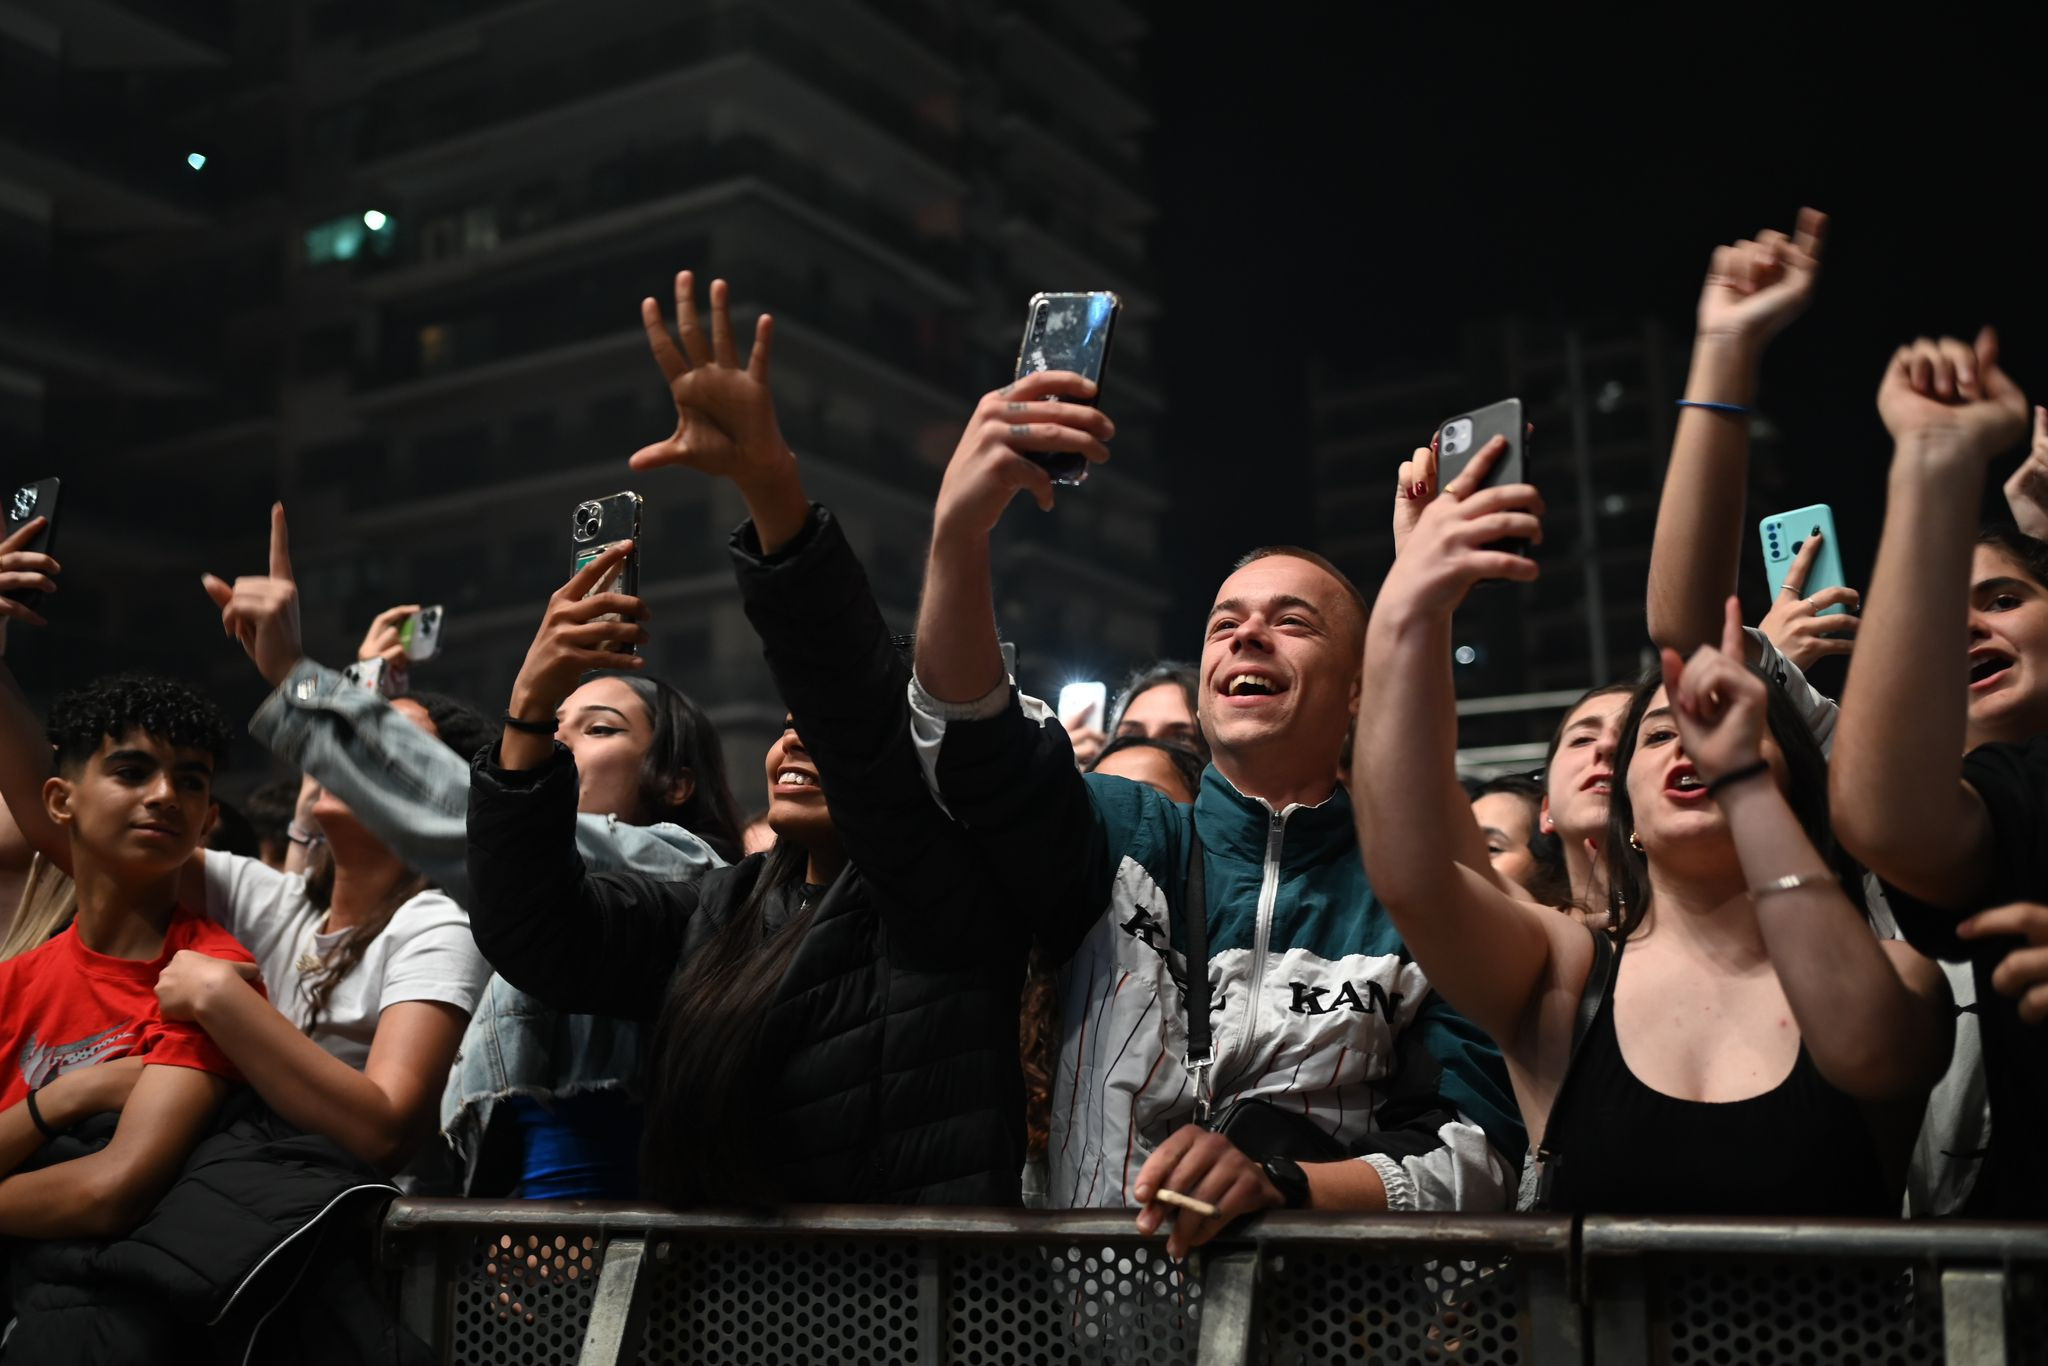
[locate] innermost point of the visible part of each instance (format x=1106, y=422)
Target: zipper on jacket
x=1269, y=896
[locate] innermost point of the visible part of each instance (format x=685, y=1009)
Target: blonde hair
x=49, y=899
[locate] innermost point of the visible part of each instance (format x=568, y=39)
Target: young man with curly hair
x=81, y=1029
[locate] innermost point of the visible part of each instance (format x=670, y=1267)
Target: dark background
x=1347, y=188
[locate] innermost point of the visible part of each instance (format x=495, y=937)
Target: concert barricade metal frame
x=576, y=1284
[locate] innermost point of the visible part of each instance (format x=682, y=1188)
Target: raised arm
x=959, y=655
x=24, y=751
x=1752, y=290
x=1411, y=812
x=1874, y=1015
x=1904, y=723
x=107, y=1193
x=380, y=1114
x=402, y=782
x=584, y=943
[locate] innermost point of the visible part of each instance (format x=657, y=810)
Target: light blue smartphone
x=1785, y=532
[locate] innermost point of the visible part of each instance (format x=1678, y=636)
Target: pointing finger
x=280, y=544
x=1802, y=567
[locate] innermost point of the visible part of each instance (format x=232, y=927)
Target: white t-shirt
x=426, y=953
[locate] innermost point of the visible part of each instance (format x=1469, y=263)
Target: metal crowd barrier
x=589, y=1284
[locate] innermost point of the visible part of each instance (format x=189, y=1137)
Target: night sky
x=1349, y=187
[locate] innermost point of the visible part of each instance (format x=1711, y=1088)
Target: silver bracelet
x=1792, y=882
x=298, y=835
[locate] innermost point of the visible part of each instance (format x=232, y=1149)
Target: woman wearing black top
x=1759, y=1050
x=835, y=1020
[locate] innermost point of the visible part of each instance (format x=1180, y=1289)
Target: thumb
x=217, y=589
x=1987, y=348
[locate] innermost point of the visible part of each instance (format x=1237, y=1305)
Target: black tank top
x=1802, y=1148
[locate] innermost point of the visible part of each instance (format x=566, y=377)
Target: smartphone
x=1785, y=532
x=1084, y=705
x=24, y=505
x=420, y=634
x=1462, y=437
x=389, y=680
x=1068, y=332
x=600, y=524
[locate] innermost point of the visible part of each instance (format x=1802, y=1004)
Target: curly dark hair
x=109, y=708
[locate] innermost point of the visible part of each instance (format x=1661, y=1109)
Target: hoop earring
x=1635, y=842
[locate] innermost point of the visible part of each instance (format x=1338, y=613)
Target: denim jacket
x=412, y=792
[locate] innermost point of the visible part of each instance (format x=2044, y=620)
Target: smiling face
x=606, y=727
x=1580, y=774
x=2008, y=650
x=1159, y=713
x=1675, y=819
x=1280, y=667
x=137, y=807
x=796, y=801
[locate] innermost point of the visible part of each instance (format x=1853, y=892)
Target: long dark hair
x=684, y=739
x=463, y=729
x=696, y=1148
x=1628, y=871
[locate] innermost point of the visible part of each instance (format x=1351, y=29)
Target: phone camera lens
x=1796, y=545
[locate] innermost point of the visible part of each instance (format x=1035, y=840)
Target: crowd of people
x=1737, y=947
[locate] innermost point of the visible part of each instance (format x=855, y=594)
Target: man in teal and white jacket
x=1315, y=1004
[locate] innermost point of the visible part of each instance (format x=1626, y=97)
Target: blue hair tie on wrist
x=1735, y=408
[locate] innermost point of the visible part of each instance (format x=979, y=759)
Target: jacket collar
x=1236, y=826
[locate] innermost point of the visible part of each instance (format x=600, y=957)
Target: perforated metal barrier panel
x=517, y=1285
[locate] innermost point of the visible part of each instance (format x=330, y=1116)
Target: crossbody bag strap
x=1599, y=984
x=1195, y=912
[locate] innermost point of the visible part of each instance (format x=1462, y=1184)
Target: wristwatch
x=1288, y=1178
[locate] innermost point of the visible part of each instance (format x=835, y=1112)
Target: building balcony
x=589, y=96
x=643, y=193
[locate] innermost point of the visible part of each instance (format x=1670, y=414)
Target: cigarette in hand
x=1186, y=1202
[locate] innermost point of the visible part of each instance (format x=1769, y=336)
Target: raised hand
x=382, y=641
x=1754, y=288
x=262, y=611
x=1450, y=547
x=24, y=571
x=193, y=980
x=571, y=639
x=1794, y=623
x=991, y=465
x=2026, y=493
x=1719, y=703
x=725, y=414
x=1952, y=398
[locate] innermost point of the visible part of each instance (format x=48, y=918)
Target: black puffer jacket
x=890, y=1053
x=259, y=1252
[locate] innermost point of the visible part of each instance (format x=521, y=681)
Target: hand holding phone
x=1810, y=616
x=1460, y=439
x=1068, y=332
x=26, y=566
x=599, y=525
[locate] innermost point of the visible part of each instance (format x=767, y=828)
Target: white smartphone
x=1084, y=705
x=420, y=634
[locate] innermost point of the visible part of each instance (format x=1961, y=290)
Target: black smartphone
x=24, y=505
x=1464, y=436
x=1068, y=332
x=599, y=524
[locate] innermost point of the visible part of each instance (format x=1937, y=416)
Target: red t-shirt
x=63, y=1007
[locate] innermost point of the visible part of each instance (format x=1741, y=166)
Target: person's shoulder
x=2010, y=770
x=191, y=930
x=426, y=910
x=244, y=879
